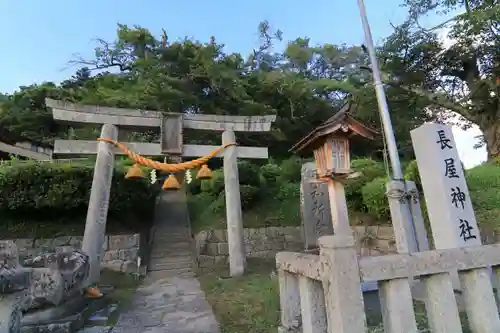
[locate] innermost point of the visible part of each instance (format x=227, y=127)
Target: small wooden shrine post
x=170, y=127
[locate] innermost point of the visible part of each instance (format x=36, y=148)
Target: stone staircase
x=172, y=246
x=170, y=298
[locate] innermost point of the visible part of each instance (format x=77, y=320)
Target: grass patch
x=250, y=304
x=247, y=304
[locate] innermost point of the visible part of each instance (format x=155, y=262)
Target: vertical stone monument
x=446, y=193
x=314, y=207
x=451, y=214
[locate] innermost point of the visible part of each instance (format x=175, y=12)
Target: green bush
x=411, y=172
x=54, y=189
x=218, y=204
x=214, y=185
x=288, y=191
x=290, y=169
x=248, y=173
x=249, y=195
x=270, y=173
x=375, y=200
x=370, y=170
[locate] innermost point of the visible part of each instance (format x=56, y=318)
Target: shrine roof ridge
x=334, y=123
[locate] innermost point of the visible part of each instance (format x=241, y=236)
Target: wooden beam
x=94, y=114
x=81, y=147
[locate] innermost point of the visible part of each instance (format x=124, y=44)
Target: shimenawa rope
x=165, y=166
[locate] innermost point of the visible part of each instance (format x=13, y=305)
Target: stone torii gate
x=170, y=126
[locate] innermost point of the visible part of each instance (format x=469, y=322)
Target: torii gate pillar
x=95, y=225
x=234, y=219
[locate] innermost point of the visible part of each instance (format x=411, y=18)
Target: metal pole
x=402, y=218
x=397, y=173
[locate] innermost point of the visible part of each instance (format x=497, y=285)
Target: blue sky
x=40, y=37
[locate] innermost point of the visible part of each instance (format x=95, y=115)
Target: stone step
x=174, y=251
x=170, y=231
x=171, y=245
x=156, y=275
x=171, y=272
x=170, y=260
x=161, y=253
x=171, y=239
x=171, y=266
x=172, y=228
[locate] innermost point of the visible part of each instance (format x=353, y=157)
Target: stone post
x=345, y=312
x=237, y=258
x=291, y=319
x=95, y=226
x=417, y=216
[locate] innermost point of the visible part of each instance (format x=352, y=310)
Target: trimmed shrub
x=216, y=203
x=290, y=169
x=270, y=173
x=249, y=195
x=288, y=191
x=214, y=186
x=54, y=189
x=248, y=173
x=375, y=200
x=370, y=170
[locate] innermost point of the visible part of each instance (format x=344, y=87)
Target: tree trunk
x=491, y=134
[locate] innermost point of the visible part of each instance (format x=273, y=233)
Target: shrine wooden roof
x=342, y=122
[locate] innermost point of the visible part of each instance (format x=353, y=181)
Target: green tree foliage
x=461, y=82
x=302, y=86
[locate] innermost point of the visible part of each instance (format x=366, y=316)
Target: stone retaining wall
x=120, y=251
x=212, y=247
